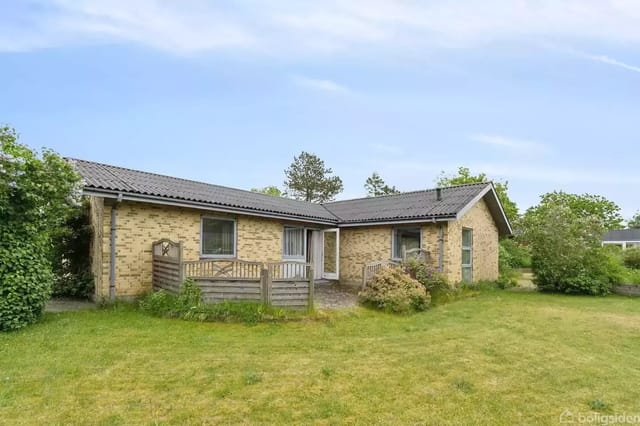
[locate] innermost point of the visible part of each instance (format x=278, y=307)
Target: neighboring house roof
x=114, y=182
x=619, y=235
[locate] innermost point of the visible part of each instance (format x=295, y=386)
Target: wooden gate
x=167, y=265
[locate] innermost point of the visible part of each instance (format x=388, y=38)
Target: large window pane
x=405, y=239
x=466, y=257
x=467, y=274
x=467, y=238
x=293, y=242
x=218, y=237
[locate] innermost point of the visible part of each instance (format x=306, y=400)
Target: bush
x=36, y=193
x=632, y=258
x=631, y=276
x=392, y=290
x=435, y=283
x=566, y=251
x=513, y=255
x=25, y=281
x=597, y=270
x=188, y=305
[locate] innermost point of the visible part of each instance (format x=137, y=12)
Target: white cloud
x=607, y=60
x=285, y=27
x=184, y=28
x=516, y=145
x=320, y=85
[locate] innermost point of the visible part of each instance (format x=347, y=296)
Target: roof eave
x=501, y=219
x=426, y=219
x=128, y=196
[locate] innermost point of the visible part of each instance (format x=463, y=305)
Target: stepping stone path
x=335, y=296
x=64, y=305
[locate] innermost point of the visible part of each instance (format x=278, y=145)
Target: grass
x=499, y=358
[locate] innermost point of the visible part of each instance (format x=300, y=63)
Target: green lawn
x=499, y=358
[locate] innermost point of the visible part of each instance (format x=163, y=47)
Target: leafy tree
x=376, y=186
x=564, y=233
x=37, y=192
x=308, y=179
x=464, y=176
x=269, y=190
x=634, y=223
x=587, y=205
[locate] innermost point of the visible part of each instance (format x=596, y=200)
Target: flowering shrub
x=427, y=275
x=393, y=290
x=36, y=194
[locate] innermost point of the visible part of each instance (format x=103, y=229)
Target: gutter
x=201, y=206
x=112, y=250
x=440, y=248
x=258, y=213
x=432, y=219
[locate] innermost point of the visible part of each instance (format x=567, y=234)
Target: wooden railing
x=288, y=284
x=288, y=269
x=222, y=268
x=417, y=253
x=370, y=269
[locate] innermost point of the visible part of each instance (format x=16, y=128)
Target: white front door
x=316, y=253
x=330, y=254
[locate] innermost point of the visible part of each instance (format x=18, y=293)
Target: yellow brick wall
x=485, y=245
x=362, y=245
x=138, y=225
x=259, y=240
x=430, y=242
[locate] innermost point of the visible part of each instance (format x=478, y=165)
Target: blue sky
x=543, y=94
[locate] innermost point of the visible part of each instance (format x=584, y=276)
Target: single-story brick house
x=459, y=226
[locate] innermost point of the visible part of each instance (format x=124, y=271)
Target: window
x=218, y=237
x=405, y=239
x=293, y=242
x=467, y=255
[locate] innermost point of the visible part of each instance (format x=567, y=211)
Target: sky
x=543, y=94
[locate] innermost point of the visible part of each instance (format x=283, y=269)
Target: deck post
x=181, y=274
x=311, y=289
x=266, y=284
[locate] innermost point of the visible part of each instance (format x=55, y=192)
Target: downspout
x=440, y=246
x=112, y=254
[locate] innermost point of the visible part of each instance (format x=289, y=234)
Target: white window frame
x=470, y=249
x=304, y=243
x=393, y=239
x=235, y=238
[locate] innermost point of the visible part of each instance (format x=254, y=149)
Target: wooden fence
x=167, y=266
x=285, y=284
x=370, y=269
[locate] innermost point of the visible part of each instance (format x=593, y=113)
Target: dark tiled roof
x=622, y=235
x=407, y=205
x=400, y=207
x=111, y=178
